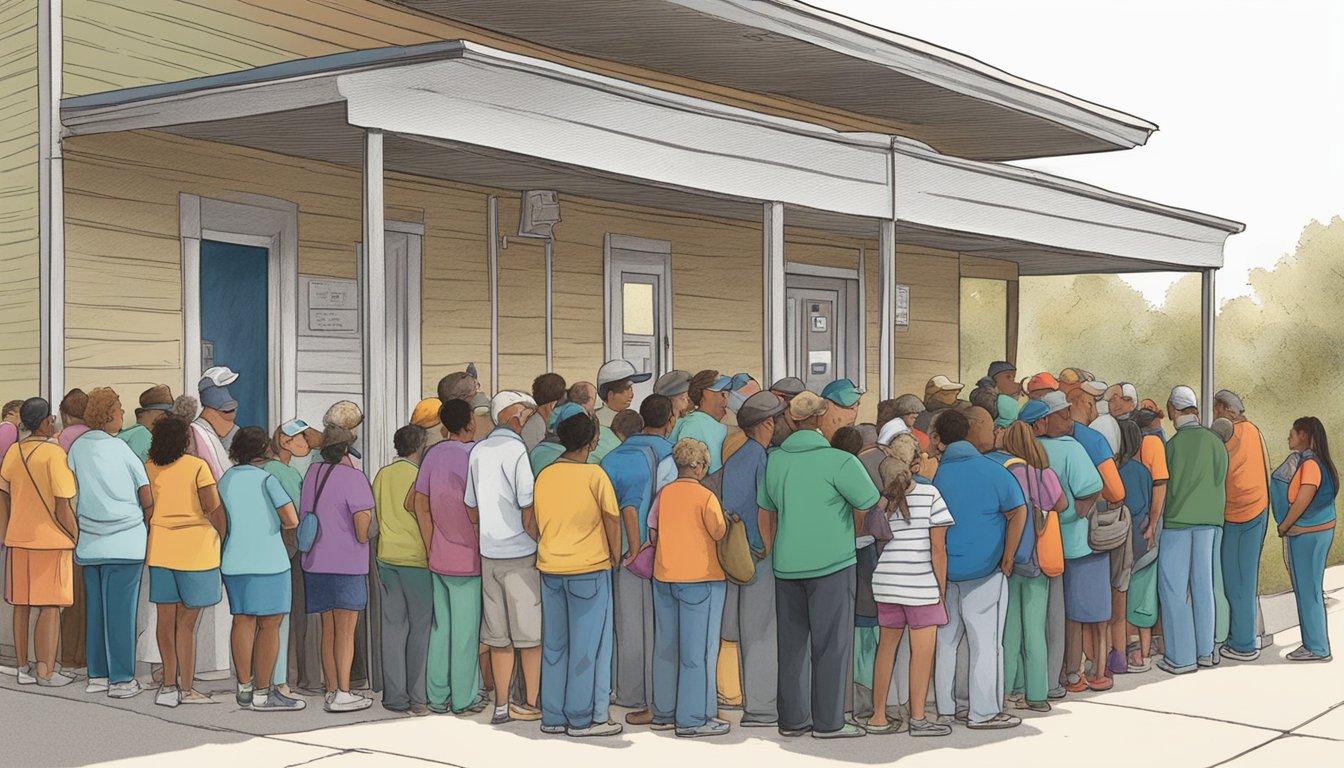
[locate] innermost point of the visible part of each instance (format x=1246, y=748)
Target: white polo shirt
x=499, y=485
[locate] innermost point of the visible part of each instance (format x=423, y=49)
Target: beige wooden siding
x=20, y=330
x=930, y=345
x=111, y=44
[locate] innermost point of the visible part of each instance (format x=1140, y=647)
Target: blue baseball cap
x=842, y=392
x=564, y=411
x=1033, y=411
x=729, y=383
x=294, y=427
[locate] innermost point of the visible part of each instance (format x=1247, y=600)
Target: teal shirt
x=544, y=455
x=138, y=437
x=1078, y=477
x=111, y=521
x=814, y=489
x=606, y=443
x=698, y=425
x=289, y=478
x=252, y=545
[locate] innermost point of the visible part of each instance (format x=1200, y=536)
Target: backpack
x=1045, y=522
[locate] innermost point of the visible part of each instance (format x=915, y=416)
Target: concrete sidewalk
x=1271, y=712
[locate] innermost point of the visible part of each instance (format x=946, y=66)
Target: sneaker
x=879, y=730
x=96, y=685
x=345, y=701
x=947, y=720
x=553, y=729
x=759, y=723
x=1228, y=652
x=662, y=726
x=26, y=675
x=712, y=728
x=474, y=708
x=609, y=728
x=124, y=690
x=1077, y=686
x=419, y=710
x=639, y=717
x=1137, y=663
x=1055, y=694
x=1302, y=654
x=1033, y=706
x=997, y=722
x=925, y=728
x=57, y=680
x=1172, y=669
x=846, y=731
x=5, y=669
x=794, y=733
x=274, y=701
x=244, y=696
x=1100, y=684
x=168, y=696
x=1116, y=664
x=524, y=712
x=196, y=697
x=500, y=716
x=1208, y=661
x=327, y=697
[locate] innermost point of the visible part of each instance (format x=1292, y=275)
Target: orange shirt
x=1308, y=473
x=1247, y=474
x=690, y=522
x=1112, y=487
x=1153, y=455
x=32, y=507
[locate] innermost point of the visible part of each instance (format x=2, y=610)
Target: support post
x=775, y=357
x=1208, y=313
x=1010, y=353
x=378, y=422
x=550, y=339
x=886, y=268
x=51, y=204
x=492, y=264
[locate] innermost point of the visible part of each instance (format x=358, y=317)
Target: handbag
x=642, y=565
x=1049, y=538
x=308, y=524
x=735, y=556
x=1108, y=527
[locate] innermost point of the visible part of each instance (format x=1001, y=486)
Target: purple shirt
x=454, y=547
x=9, y=435
x=345, y=492
x=69, y=435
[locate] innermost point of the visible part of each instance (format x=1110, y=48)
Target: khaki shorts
x=511, y=602
x=41, y=577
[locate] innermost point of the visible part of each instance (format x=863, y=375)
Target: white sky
x=1248, y=94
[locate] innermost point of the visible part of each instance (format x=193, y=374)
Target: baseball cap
x=1000, y=366
x=1042, y=380
x=613, y=371
x=941, y=383
x=842, y=392
x=1183, y=397
x=672, y=383
x=890, y=430
x=344, y=414
x=157, y=398
x=1094, y=388
x=426, y=413
x=758, y=408
x=507, y=399
x=564, y=411
x=788, y=387
x=480, y=404
x=217, y=397
x=219, y=376
x=1055, y=402
x=1033, y=411
x=909, y=404
x=729, y=383
x=460, y=385
x=1008, y=411
x=805, y=405
x=294, y=427
x=1075, y=376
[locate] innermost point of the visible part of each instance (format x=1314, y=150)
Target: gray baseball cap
x=1055, y=401
x=672, y=383
x=758, y=408
x=788, y=387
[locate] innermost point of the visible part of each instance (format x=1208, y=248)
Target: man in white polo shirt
x=499, y=501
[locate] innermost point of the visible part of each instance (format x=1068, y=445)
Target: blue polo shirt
x=743, y=473
x=627, y=466
x=1097, y=447
x=978, y=492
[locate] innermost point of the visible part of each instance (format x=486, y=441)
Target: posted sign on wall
x=333, y=306
x=902, y=306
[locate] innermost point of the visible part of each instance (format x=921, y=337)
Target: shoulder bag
x=642, y=565
x=1108, y=526
x=308, y=523
x=38, y=491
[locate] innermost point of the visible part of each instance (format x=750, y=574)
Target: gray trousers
x=749, y=621
x=1054, y=635
x=976, y=609
x=407, y=613
x=634, y=640
x=816, y=641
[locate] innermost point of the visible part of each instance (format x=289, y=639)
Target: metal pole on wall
x=772, y=246
x=1208, y=316
x=550, y=341
x=492, y=257
x=51, y=203
x=886, y=270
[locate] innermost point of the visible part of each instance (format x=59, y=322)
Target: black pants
x=815, y=620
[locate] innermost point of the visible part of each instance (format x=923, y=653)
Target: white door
x=403, y=318
x=821, y=330
x=638, y=306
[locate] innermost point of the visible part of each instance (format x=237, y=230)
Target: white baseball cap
x=219, y=376
x=1183, y=397
x=507, y=399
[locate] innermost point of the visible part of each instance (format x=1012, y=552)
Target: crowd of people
x=546, y=555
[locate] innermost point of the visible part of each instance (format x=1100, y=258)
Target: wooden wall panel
x=20, y=329
x=930, y=345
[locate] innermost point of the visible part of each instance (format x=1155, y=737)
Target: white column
x=886, y=269
x=379, y=423
x=775, y=357
x=550, y=310
x=1208, y=312
x=492, y=262
x=51, y=204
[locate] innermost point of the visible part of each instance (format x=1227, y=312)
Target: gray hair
x=186, y=407
x=1223, y=428
x=1229, y=399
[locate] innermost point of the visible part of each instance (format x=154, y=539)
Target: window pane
x=638, y=308
x=984, y=326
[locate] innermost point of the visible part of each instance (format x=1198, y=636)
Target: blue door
x=235, y=322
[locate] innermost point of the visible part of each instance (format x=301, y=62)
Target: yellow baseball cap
x=426, y=413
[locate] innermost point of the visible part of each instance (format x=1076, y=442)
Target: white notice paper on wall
x=902, y=306
x=333, y=305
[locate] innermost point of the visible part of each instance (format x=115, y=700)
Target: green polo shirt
x=814, y=489
x=138, y=437
x=1197, y=487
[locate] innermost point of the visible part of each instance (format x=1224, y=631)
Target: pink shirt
x=9, y=435
x=69, y=435
x=454, y=547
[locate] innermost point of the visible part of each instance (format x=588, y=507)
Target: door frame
x=856, y=310
x=412, y=311
x=655, y=253
x=255, y=220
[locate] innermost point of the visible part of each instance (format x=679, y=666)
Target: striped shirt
x=904, y=574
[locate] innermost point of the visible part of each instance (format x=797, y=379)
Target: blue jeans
x=686, y=621
x=1185, y=588
x=113, y=593
x=1306, y=565
x=1240, y=556
x=576, y=620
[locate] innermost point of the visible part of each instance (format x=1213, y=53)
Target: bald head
x=981, y=433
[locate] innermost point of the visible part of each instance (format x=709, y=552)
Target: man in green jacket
x=811, y=501
x=1191, y=517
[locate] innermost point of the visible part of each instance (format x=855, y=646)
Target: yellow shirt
x=570, y=500
x=180, y=535
x=399, y=540
x=1247, y=474
x=32, y=508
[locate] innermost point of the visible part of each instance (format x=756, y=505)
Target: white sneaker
x=345, y=701
x=5, y=669
x=57, y=680
x=124, y=690
x=168, y=696
x=26, y=676
x=96, y=685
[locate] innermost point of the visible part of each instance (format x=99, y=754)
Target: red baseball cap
x=1042, y=380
